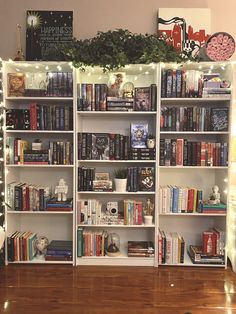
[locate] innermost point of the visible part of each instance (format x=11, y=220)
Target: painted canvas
x=186, y=28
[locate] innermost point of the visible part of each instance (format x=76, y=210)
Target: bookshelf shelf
x=116, y=161
x=39, y=166
x=39, y=132
x=38, y=261
x=116, y=226
x=194, y=167
x=193, y=100
x=192, y=214
x=38, y=213
x=116, y=193
x=115, y=113
x=194, y=132
x=61, y=99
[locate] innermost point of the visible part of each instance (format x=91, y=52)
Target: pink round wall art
x=220, y=46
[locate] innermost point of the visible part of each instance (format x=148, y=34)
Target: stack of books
x=140, y=249
x=214, y=208
x=199, y=257
x=63, y=206
x=59, y=250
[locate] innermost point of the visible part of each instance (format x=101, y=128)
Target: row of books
x=27, y=197
x=52, y=84
x=59, y=250
x=133, y=212
x=103, y=146
x=181, y=152
x=174, y=199
x=171, y=248
x=89, y=212
x=192, y=83
x=18, y=152
x=107, y=146
x=91, y=243
x=141, y=249
x=141, y=179
x=40, y=117
x=21, y=246
x=194, y=119
x=95, y=97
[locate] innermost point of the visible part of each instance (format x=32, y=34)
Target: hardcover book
x=100, y=146
x=146, y=179
x=142, y=99
x=139, y=134
x=16, y=84
x=219, y=119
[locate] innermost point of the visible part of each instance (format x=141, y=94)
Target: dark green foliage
x=114, y=49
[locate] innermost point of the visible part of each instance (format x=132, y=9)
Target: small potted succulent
x=151, y=141
x=120, y=178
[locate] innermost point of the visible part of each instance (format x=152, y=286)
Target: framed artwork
x=186, y=28
x=45, y=32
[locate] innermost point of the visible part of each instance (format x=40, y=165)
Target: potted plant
x=120, y=178
x=151, y=141
x=148, y=210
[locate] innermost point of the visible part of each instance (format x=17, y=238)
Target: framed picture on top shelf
x=46, y=31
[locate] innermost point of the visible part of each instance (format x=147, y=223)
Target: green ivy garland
x=114, y=49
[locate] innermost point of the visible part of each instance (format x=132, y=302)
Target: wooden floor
x=66, y=289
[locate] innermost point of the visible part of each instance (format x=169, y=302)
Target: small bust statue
x=149, y=207
x=61, y=190
x=41, y=244
x=215, y=195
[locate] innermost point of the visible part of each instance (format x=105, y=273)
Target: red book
x=33, y=116
x=209, y=242
x=59, y=209
x=179, y=151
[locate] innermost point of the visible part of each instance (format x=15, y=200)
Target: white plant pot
x=120, y=185
x=148, y=220
x=151, y=143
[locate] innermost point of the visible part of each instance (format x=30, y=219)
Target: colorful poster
x=187, y=28
x=45, y=32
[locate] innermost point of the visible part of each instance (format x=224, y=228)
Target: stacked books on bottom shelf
x=199, y=257
x=140, y=249
x=212, y=249
x=59, y=250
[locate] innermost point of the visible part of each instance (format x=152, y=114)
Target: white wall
x=91, y=16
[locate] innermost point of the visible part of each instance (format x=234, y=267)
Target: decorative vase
x=148, y=220
x=120, y=185
x=151, y=143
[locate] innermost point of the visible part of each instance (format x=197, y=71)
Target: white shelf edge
x=40, y=166
x=125, y=193
x=88, y=113
x=194, y=132
x=37, y=261
x=193, y=167
x=115, y=226
x=117, y=161
x=39, y=131
x=191, y=214
x=23, y=212
x=195, y=99
x=39, y=98
x=115, y=261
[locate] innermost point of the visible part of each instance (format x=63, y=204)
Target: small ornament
x=61, y=190
x=41, y=244
x=113, y=248
x=214, y=196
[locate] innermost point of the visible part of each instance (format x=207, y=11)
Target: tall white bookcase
x=63, y=226
x=53, y=225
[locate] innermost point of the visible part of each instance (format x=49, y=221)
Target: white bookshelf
x=63, y=225
x=191, y=225
x=53, y=225
x=118, y=122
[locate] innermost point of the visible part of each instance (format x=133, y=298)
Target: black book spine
x=153, y=97
x=162, y=152
x=163, y=84
x=185, y=153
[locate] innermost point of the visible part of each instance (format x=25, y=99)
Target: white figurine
x=215, y=195
x=61, y=190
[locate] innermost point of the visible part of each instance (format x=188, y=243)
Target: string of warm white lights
x=2, y=196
